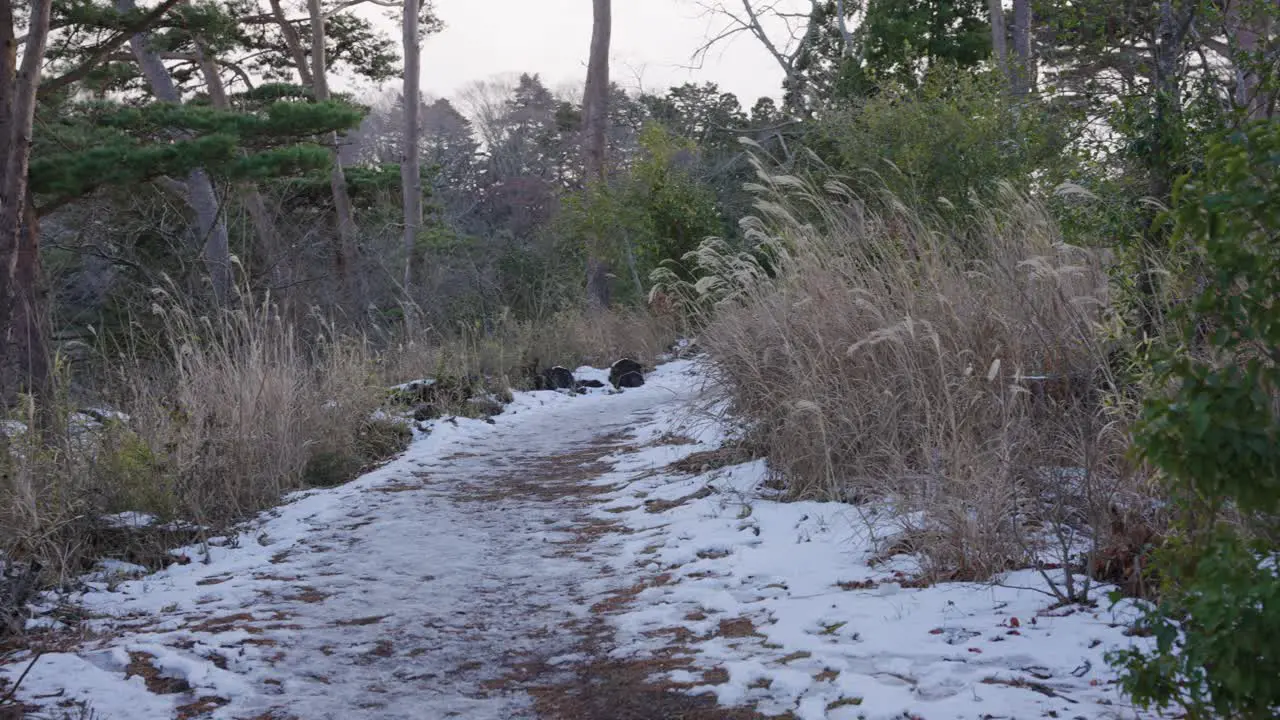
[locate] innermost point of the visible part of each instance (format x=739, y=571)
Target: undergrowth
x=214, y=416
x=969, y=384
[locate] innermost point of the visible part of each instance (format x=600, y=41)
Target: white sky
x=652, y=44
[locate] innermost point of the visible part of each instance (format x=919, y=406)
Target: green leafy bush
x=1216, y=436
x=933, y=147
x=653, y=215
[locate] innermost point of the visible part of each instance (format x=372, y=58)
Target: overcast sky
x=652, y=44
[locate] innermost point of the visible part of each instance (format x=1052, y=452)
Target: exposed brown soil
x=706, y=461
x=657, y=506
x=603, y=687
x=140, y=664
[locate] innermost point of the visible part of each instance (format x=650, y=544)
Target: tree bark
x=293, y=42
x=999, y=38
x=1023, y=63
x=410, y=173
x=211, y=227
x=23, y=351
x=31, y=316
x=344, y=248
x=8, y=240
x=595, y=116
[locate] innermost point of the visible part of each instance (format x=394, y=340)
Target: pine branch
x=105, y=50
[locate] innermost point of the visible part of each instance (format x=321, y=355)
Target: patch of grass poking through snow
x=844, y=702
x=826, y=675
x=658, y=506
x=142, y=665
x=832, y=628
x=797, y=655
x=737, y=628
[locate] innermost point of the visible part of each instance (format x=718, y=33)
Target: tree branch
x=106, y=49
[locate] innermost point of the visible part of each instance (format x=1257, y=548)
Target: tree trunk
x=268, y=246
x=1023, y=63
x=23, y=351
x=1167, y=86
x=846, y=39
x=31, y=304
x=595, y=116
x=1250, y=34
x=211, y=228
x=8, y=240
x=344, y=248
x=293, y=42
x=1167, y=51
x=410, y=174
x=999, y=38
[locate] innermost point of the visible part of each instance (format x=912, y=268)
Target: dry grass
x=874, y=356
x=228, y=410
x=508, y=350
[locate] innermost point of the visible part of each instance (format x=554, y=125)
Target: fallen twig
x=13, y=691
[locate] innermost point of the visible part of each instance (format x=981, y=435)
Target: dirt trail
x=463, y=580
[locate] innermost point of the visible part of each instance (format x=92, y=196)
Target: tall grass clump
x=876, y=357
x=242, y=409
x=220, y=414
x=216, y=413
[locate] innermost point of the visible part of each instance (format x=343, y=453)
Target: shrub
x=1216, y=437
x=229, y=410
x=946, y=144
x=873, y=357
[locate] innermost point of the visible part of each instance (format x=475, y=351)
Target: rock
x=558, y=378
x=425, y=412
x=629, y=370
x=487, y=407
x=584, y=385
x=18, y=585
x=630, y=380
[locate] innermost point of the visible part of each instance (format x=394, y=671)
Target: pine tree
x=87, y=143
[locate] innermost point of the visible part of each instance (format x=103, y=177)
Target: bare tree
x=211, y=229
x=411, y=176
x=595, y=117
x=485, y=104
x=785, y=28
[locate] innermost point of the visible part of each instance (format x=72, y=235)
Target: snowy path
x=556, y=565
x=400, y=595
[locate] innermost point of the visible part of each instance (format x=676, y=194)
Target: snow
x=130, y=519
x=409, y=592
x=12, y=428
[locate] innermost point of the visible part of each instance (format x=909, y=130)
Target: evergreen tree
x=86, y=142
x=902, y=38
